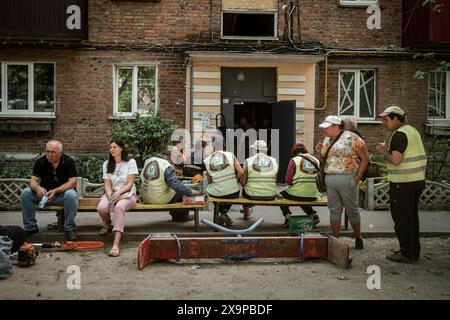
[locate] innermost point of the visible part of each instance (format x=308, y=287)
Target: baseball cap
x=330, y=120
x=392, y=109
x=259, y=145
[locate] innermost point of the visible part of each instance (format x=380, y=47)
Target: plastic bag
x=5, y=260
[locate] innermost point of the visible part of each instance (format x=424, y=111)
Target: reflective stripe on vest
x=261, y=182
x=304, y=180
x=414, y=163
x=154, y=188
x=220, y=166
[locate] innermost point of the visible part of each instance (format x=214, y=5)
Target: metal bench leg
x=345, y=222
x=196, y=217
x=216, y=212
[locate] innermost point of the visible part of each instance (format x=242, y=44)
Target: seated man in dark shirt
x=55, y=176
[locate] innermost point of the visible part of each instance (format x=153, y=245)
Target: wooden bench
x=274, y=203
x=140, y=207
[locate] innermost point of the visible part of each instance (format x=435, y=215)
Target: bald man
x=55, y=176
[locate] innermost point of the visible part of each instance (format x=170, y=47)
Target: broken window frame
x=356, y=94
x=275, y=25
x=439, y=89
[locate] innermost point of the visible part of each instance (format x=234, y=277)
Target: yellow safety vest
x=261, y=176
x=304, y=180
x=414, y=163
x=220, y=166
x=154, y=189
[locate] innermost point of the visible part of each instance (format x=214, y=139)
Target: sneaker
x=359, y=244
x=182, y=218
x=30, y=232
x=399, y=257
x=286, y=221
x=71, y=235
x=225, y=220
x=107, y=228
x=316, y=219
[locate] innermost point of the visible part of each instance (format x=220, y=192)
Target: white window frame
x=29, y=113
x=134, y=88
x=439, y=120
x=275, y=25
x=358, y=2
x=356, y=94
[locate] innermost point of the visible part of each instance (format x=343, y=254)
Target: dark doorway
x=253, y=115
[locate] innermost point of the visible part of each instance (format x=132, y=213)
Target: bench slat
x=277, y=202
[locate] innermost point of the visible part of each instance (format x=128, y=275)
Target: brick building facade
x=185, y=42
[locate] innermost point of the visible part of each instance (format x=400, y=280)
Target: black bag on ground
x=16, y=234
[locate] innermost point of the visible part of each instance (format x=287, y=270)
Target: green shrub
x=438, y=152
x=90, y=167
x=144, y=135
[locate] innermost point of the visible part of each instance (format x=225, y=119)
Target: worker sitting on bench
x=223, y=172
x=260, y=175
x=161, y=186
x=301, y=180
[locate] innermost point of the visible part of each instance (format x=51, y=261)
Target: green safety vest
x=414, y=163
x=154, y=189
x=220, y=166
x=261, y=176
x=304, y=180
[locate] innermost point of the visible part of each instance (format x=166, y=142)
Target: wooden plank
x=323, y=201
x=141, y=207
x=338, y=252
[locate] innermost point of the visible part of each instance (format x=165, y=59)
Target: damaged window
x=357, y=93
x=438, y=95
x=245, y=24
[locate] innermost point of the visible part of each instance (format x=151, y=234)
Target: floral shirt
x=343, y=156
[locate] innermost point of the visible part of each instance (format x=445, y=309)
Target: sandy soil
x=103, y=277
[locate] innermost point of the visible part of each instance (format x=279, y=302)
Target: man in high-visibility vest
x=161, y=186
x=223, y=171
x=260, y=175
x=407, y=162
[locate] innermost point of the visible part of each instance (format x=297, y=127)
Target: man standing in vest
x=223, y=172
x=161, y=186
x=260, y=175
x=407, y=162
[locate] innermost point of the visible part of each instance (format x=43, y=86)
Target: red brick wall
x=137, y=22
x=168, y=21
x=394, y=86
x=345, y=27
x=84, y=96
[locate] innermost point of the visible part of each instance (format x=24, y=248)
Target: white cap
x=330, y=120
x=259, y=145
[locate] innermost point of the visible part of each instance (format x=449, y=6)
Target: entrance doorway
x=249, y=101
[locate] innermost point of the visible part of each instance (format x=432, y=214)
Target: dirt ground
x=103, y=277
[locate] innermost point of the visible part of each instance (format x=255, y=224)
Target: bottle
x=203, y=183
x=43, y=201
x=111, y=205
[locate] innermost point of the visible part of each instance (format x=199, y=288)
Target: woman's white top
x=119, y=177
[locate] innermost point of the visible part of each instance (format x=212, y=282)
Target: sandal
x=105, y=230
x=114, y=252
